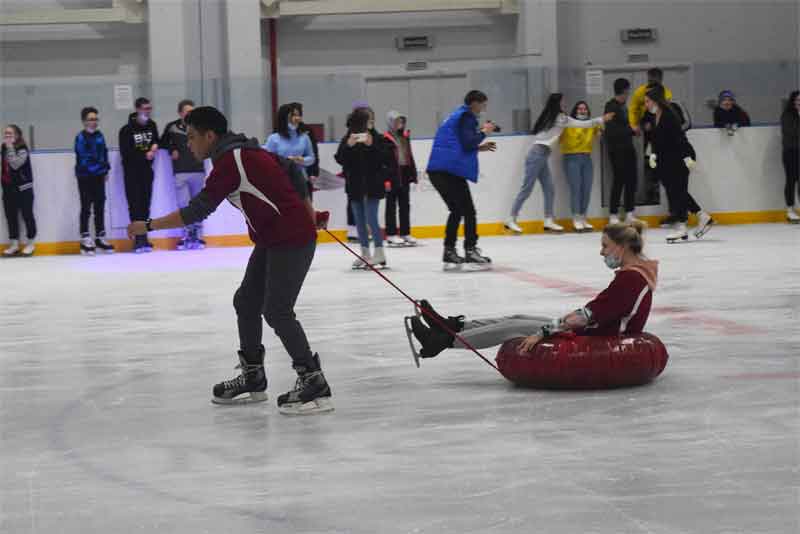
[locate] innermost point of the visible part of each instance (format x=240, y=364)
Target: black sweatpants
x=271, y=284
x=92, y=190
x=791, y=164
x=398, y=197
x=455, y=192
x=138, y=190
x=14, y=203
x=623, y=165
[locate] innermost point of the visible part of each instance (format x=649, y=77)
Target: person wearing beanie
x=728, y=114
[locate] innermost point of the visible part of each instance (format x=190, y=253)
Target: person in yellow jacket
x=636, y=108
x=576, y=148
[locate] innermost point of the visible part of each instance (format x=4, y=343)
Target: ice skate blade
x=87, y=253
x=410, y=334
x=511, y=230
x=684, y=238
x=250, y=398
x=553, y=231
x=477, y=267
x=452, y=267
x=320, y=405
x=793, y=221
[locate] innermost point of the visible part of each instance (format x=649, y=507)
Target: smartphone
x=361, y=137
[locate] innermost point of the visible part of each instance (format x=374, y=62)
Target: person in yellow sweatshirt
x=636, y=108
x=576, y=148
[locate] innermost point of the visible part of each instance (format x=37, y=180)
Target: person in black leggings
x=790, y=130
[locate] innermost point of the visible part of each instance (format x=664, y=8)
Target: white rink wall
x=742, y=173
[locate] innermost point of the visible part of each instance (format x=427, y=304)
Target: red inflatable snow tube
x=567, y=361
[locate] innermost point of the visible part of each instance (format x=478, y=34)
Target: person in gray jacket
x=190, y=175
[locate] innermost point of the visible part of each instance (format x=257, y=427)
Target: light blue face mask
x=292, y=127
x=613, y=262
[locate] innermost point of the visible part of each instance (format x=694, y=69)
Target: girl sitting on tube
x=621, y=309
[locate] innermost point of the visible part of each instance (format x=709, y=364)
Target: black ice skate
x=474, y=261
x=87, y=247
x=103, y=245
x=433, y=340
x=451, y=260
x=248, y=387
x=453, y=324
x=311, y=393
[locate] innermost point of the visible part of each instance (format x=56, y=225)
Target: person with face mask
x=728, y=114
x=404, y=173
x=190, y=174
x=621, y=309
x=576, y=147
x=546, y=133
x=91, y=171
x=138, y=146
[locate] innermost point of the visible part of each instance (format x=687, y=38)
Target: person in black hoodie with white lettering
x=138, y=145
x=17, y=181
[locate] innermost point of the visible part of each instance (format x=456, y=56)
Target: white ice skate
x=586, y=226
x=12, y=250
x=379, y=259
x=792, y=217
x=704, y=224
x=87, y=246
x=410, y=241
x=679, y=234
x=29, y=249
x=395, y=241
x=551, y=226
x=511, y=225
x=630, y=218
x=359, y=264
x=577, y=224
x=613, y=219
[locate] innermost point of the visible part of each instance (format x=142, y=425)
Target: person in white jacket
x=546, y=133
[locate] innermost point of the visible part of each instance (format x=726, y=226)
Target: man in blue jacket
x=453, y=161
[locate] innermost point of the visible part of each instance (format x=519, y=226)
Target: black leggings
x=14, y=203
x=93, y=195
x=454, y=190
x=676, y=182
x=791, y=164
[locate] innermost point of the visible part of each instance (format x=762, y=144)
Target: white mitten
x=653, y=163
x=648, y=149
x=690, y=163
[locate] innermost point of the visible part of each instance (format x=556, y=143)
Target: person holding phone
x=364, y=158
x=452, y=164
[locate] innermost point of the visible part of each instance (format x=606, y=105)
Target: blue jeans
x=536, y=167
x=365, y=212
x=580, y=173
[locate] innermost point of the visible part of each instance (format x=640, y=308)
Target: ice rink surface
x=108, y=363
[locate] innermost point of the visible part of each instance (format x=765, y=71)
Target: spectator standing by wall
x=16, y=175
x=398, y=138
x=190, y=174
x=138, y=146
x=576, y=147
x=729, y=114
x=790, y=132
x=91, y=171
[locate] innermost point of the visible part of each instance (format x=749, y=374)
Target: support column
x=166, y=28
x=246, y=80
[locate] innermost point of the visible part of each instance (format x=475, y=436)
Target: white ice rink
x=108, y=363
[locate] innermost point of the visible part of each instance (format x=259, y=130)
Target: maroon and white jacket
x=624, y=306
x=262, y=187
